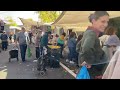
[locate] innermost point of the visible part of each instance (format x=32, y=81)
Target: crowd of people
x=94, y=48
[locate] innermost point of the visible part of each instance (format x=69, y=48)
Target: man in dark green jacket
x=44, y=41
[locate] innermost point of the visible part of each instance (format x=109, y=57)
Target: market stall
x=78, y=20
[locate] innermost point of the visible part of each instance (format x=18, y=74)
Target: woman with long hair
x=72, y=48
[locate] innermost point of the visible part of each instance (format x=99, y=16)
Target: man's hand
x=88, y=66
x=85, y=64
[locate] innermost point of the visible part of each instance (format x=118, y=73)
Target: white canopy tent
x=78, y=19
x=15, y=27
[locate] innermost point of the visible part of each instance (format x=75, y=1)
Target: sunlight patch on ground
x=3, y=67
x=3, y=74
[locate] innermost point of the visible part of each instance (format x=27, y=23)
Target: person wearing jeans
x=72, y=48
x=23, y=48
x=4, y=45
x=22, y=40
x=72, y=56
x=4, y=39
x=37, y=44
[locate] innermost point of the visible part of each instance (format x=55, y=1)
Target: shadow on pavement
x=27, y=70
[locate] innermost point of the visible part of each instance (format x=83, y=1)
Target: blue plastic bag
x=83, y=73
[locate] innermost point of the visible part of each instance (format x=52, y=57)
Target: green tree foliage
x=11, y=21
x=48, y=16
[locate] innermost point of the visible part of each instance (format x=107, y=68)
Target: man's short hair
x=22, y=27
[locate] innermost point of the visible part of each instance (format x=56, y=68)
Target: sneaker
x=67, y=60
x=71, y=62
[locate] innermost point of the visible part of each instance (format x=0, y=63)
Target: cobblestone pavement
x=27, y=70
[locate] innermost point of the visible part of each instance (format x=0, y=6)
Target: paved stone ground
x=27, y=70
x=72, y=67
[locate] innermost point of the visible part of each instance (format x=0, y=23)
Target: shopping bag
x=83, y=73
x=29, y=54
x=0, y=41
x=65, y=52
